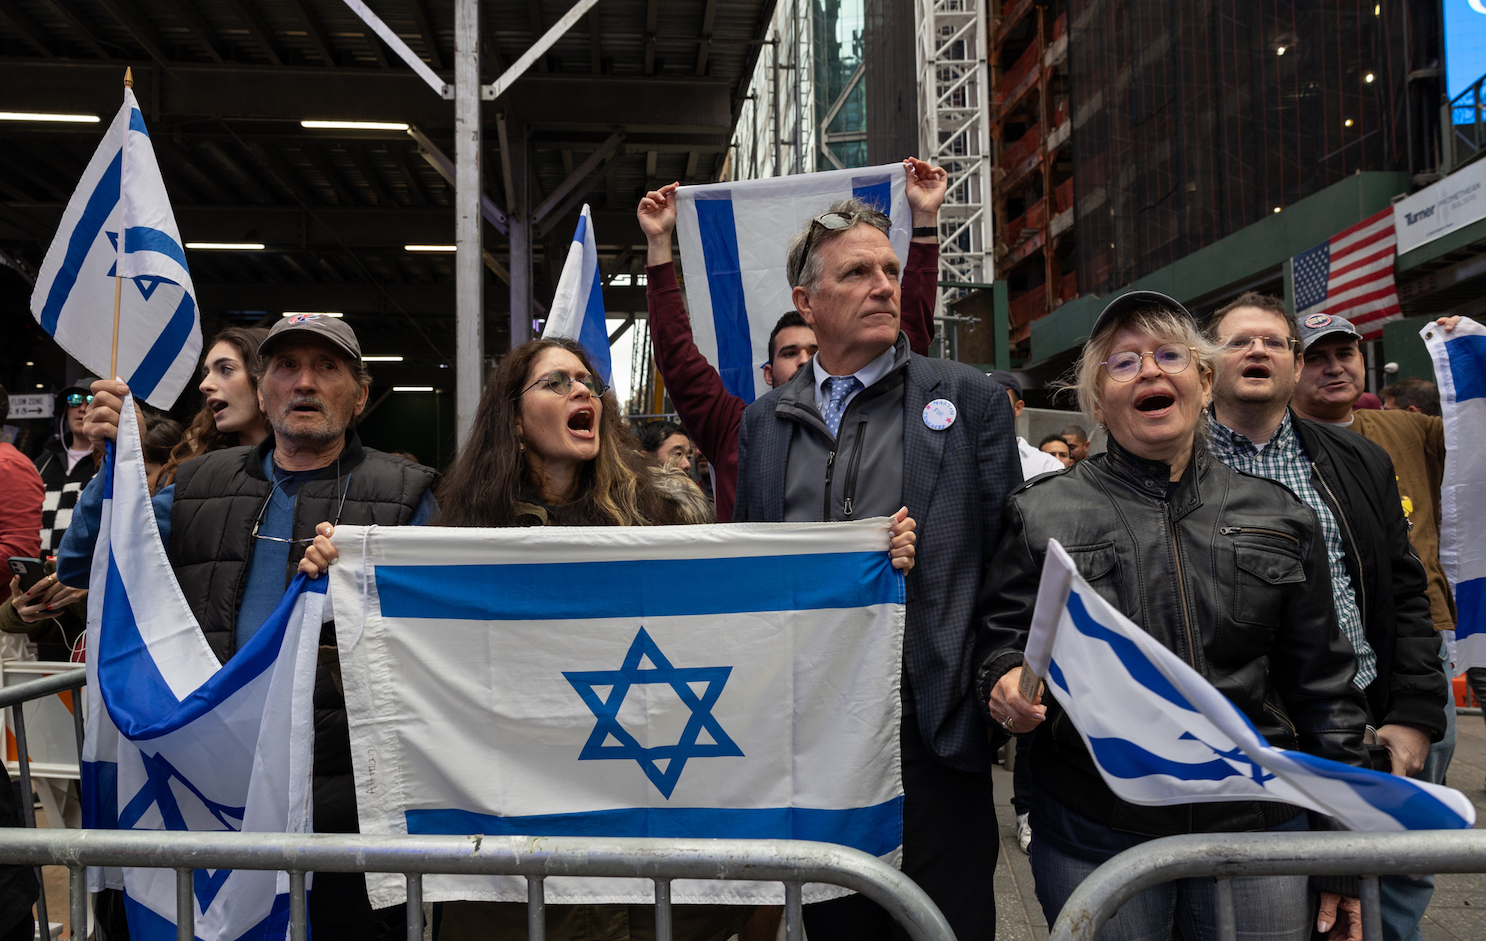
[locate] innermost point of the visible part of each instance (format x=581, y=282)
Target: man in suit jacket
x=867, y=428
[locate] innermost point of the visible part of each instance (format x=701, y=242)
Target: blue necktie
x=837, y=389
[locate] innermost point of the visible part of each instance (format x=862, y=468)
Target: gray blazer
x=955, y=482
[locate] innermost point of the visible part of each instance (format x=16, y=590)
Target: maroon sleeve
x=21, y=492
x=710, y=413
x=920, y=291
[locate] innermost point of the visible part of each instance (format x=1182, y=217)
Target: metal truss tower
x=953, y=84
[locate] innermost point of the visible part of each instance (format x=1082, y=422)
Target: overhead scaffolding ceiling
x=636, y=94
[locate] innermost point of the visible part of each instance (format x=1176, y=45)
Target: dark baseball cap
x=83, y=384
x=1132, y=301
x=1315, y=326
x=1006, y=379
x=330, y=328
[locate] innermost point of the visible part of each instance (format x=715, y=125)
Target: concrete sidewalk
x=1456, y=913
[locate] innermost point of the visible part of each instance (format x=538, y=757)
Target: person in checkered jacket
x=66, y=464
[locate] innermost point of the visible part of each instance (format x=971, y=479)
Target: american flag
x=1351, y=275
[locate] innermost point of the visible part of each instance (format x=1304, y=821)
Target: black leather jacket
x=1227, y=570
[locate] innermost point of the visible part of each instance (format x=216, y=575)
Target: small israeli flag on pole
x=117, y=228
x=1162, y=734
x=578, y=304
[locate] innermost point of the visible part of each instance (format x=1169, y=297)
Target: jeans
x=1266, y=908
x=1406, y=897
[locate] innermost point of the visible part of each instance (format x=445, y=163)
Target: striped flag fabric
x=177, y=741
x=119, y=221
x=1460, y=371
x=1351, y=275
x=733, y=238
x=1162, y=734
x=723, y=681
x=578, y=304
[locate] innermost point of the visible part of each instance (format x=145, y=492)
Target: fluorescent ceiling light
x=381, y=359
x=50, y=118
x=321, y=313
x=227, y=246
x=412, y=388
x=429, y=248
x=354, y=125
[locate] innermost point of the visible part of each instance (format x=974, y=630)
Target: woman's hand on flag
x=657, y=215
x=101, y=421
x=1011, y=709
x=925, y=190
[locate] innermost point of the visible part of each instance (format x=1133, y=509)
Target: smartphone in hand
x=31, y=571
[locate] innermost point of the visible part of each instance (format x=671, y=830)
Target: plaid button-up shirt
x=1284, y=461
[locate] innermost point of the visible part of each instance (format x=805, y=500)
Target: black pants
x=950, y=841
x=1021, y=775
x=339, y=911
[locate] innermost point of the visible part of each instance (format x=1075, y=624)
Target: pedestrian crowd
x=1244, y=512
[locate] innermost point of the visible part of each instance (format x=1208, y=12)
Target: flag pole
x=113, y=356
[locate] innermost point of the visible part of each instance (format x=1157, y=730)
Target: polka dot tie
x=837, y=389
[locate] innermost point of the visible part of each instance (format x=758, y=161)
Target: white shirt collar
x=868, y=375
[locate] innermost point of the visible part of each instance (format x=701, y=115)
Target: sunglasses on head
x=835, y=222
x=74, y=399
x=561, y=383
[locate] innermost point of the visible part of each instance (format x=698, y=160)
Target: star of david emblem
x=145, y=282
x=699, y=689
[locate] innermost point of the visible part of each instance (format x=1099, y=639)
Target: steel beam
x=469, y=274
x=587, y=168
x=517, y=157
x=538, y=48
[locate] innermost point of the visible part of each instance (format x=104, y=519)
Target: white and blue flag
x=735, y=681
x=119, y=222
x=733, y=238
x=578, y=304
x=1162, y=734
x=176, y=741
x=1460, y=371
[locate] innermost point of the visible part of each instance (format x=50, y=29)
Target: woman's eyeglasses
x=1170, y=357
x=74, y=399
x=562, y=384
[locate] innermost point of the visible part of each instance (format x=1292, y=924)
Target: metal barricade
x=1225, y=856
x=790, y=862
x=15, y=696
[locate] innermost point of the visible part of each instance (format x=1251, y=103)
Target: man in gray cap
x=236, y=524
x=1034, y=461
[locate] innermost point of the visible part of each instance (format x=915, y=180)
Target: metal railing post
x=298, y=917
x=1227, y=921
x=662, y=910
x=1369, y=892
x=77, y=897
x=28, y=806
x=536, y=908
x=415, y=906
x=794, y=918
x=185, y=911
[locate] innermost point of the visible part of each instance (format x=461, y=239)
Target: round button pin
x=940, y=414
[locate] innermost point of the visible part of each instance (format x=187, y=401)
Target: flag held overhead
x=115, y=290
x=578, y=304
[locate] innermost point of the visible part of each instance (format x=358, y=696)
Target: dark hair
x=1076, y=430
x=161, y=436
x=1265, y=302
x=201, y=436
x=791, y=319
x=1049, y=439
x=653, y=434
x=1420, y=393
x=4, y=404
x=491, y=475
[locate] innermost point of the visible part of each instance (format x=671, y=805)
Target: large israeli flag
x=1460, y=370
x=176, y=741
x=733, y=238
x=578, y=304
x=119, y=221
x=1162, y=734
x=669, y=681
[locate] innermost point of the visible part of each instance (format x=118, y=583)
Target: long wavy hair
x=491, y=475
x=201, y=436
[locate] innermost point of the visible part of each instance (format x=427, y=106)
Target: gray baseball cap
x=1315, y=326
x=330, y=328
x=1137, y=300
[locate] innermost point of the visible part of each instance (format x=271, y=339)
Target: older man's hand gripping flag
x=177, y=741
x=1162, y=734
